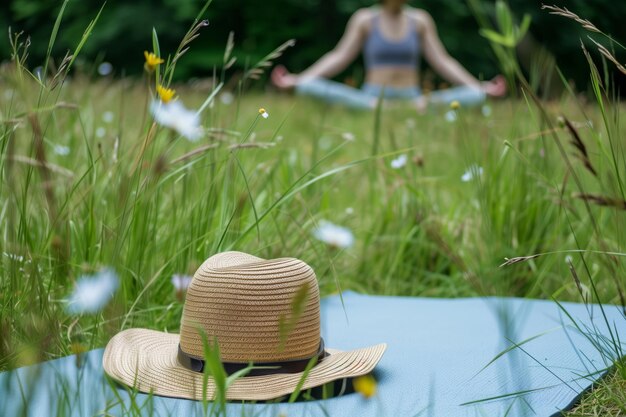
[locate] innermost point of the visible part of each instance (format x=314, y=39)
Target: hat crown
x=240, y=301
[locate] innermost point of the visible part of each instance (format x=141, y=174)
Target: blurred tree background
x=124, y=31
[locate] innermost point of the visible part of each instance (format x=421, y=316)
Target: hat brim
x=147, y=360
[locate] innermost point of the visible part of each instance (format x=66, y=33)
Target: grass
x=607, y=399
x=136, y=197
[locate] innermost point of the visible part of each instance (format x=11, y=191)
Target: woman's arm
x=437, y=56
x=333, y=62
x=448, y=67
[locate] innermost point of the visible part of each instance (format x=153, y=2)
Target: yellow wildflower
x=365, y=385
x=455, y=105
x=165, y=94
x=151, y=61
x=263, y=113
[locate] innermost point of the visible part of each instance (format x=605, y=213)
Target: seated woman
x=392, y=37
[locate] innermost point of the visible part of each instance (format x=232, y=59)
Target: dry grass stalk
x=518, y=259
x=19, y=49
x=605, y=52
x=256, y=71
x=583, y=155
x=44, y=169
x=58, y=76
x=579, y=285
x=193, y=153
x=261, y=145
x=586, y=24
x=230, y=44
x=144, y=146
x=602, y=200
x=189, y=37
x=12, y=122
x=33, y=162
x=432, y=231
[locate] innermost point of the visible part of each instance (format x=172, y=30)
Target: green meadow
x=450, y=203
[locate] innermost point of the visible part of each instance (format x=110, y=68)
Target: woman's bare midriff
x=397, y=77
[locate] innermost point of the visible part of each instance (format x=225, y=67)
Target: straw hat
x=261, y=311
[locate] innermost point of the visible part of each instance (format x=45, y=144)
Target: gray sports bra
x=379, y=51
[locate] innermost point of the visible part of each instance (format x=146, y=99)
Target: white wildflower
x=474, y=171
x=181, y=282
x=227, y=98
x=61, y=150
x=175, y=116
x=93, y=292
x=451, y=116
x=333, y=235
x=399, y=162
x=100, y=132
x=486, y=110
x=348, y=136
x=349, y=211
x=107, y=116
x=105, y=69
x=264, y=113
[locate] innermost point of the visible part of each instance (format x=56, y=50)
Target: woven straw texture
x=240, y=300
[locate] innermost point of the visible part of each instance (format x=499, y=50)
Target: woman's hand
x=282, y=78
x=496, y=87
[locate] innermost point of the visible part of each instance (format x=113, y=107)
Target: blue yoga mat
x=445, y=357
